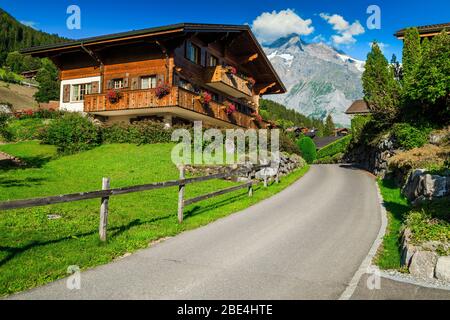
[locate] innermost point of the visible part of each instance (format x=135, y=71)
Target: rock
x=439, y=137
x=421, y=185
x=443, y=269
x=423, y=264
x=408, y=249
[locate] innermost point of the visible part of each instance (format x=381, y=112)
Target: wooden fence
x=107, y=192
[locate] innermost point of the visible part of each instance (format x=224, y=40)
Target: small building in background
x=358, y=107
x=30, y=74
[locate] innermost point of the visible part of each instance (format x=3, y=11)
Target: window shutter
x=159, y=79
x=134, y=83
x=109, y=84
x=125, y=82
x=66, y=93
x=95, y=87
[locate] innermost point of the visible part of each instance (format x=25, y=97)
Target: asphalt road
x=304, y=243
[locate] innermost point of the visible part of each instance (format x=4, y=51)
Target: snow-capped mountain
x=320, y=79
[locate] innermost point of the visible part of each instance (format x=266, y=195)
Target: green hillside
x=15, y=36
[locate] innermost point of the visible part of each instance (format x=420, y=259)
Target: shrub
x=141, y=132
x=338, y=146
x=307, y=149
x=337, y=158
x=24, y=129
x=358, y=125
x=4, y=118
x=287, y=144
x=72, y=133
x=409, y=137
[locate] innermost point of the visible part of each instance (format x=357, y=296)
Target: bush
x=338, y=146
x=4, y=118
x=72, y=133
x=409, y=137
x=358, y=125
x=26, y=129
x=307, y=149
x=287, y=144
x=337, y=158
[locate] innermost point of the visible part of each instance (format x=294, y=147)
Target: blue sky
x=342, y=24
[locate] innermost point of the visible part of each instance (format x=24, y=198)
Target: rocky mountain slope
x=320, y=79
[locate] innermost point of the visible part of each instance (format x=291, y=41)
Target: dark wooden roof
x=358, y=107
x=248, y=40
x=425, y=30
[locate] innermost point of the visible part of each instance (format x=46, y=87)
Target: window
x=118, y=83
x=79, y=90
x=212, y=61
x=148, y=82
x=193, y=53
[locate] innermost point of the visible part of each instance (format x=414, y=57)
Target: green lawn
x=397, y=207
x=35, y=250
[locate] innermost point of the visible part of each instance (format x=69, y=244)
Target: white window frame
x=152, y=82
x=83, y=89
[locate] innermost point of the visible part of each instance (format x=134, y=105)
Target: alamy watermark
x=374, y=20
x=236, y=146
x=73, y=22
x=73, y=282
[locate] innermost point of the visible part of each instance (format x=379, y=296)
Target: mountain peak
x=292, y=40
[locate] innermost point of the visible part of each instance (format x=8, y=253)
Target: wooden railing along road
x=106, y=193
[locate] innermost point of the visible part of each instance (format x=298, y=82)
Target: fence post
x=104, y=211
x=181, y=196
x=265, y=180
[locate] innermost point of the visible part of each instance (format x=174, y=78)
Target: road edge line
x=351, y=287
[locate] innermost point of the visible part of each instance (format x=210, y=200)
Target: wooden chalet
x=428, y=31
x=177, y=74
x=358, y=107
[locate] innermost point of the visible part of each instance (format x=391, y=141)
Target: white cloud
x=346, y=32
x=270, y=26
x=319, y=38
x=31, y=24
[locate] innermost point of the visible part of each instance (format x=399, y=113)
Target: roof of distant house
x=358, y=107
x=424, y=31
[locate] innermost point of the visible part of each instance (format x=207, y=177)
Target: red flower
x=205, y=97
x=114, y=96
x=232, y=70
x=251, y=80
x=162, y=90
x=230, y=107
x=257, y=116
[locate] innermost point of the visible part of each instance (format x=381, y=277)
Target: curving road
x=304, y=243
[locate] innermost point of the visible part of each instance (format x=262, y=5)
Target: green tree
x=381, y=90
x=48, y=82
x=432, y=88
x=307, y=149
x=412, y=58
x=329, y=126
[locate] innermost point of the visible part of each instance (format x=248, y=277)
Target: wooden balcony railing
x=234, y=85
x=178, y=97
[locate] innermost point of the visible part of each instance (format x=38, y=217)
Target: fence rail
x=106, y=193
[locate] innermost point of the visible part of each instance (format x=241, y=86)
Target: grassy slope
x=397, y=206
x=35, y=250
x=21, y=97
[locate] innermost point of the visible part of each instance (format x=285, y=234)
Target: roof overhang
x=275, y=85
x=425, y=31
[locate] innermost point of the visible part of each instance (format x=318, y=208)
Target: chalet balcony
x=179, y=102
x=234, y=85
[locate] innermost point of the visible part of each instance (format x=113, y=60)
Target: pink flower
x=162, y=90
x=230, y=107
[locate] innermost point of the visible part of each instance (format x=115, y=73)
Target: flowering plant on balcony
x=162, y=90
x=257, y=117
x=114, y=96
x=229, y=107
x=205, y=97
x=251, y=81
x=231, y=70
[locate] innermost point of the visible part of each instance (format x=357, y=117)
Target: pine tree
x=381, y=90
x=329, y=126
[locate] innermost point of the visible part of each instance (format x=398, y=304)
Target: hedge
x=339, y=146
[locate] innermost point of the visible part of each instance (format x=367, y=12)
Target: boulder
x=423, y=264
x=443, y=269
x=420, y=186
